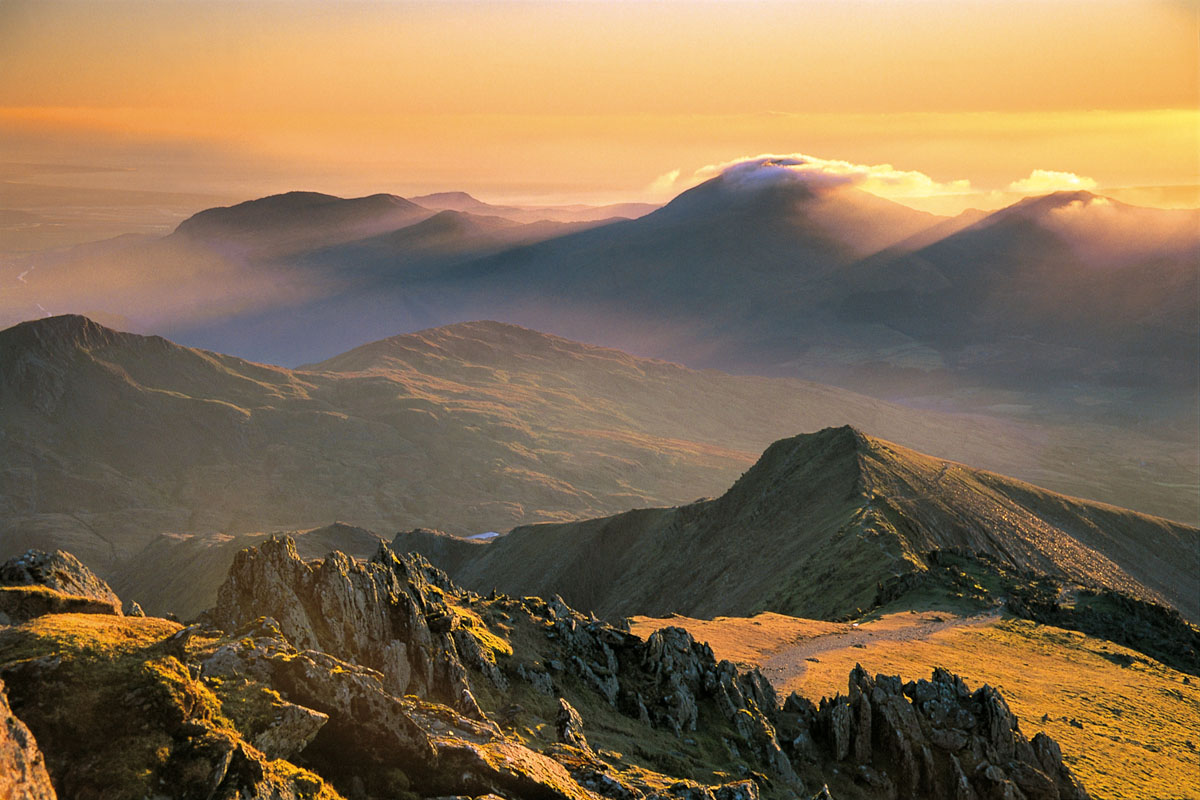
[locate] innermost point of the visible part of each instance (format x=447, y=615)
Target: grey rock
x=569, y=726
x=23, y=773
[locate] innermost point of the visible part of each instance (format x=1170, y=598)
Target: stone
x=22, y=767
x=569, y=726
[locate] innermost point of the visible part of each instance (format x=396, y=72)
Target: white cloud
x=881, y=179
x=666, y=183
x=1045, y=181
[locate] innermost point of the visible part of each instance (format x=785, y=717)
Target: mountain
x=112, y=439
x=1069, y=307
x=438, y=692
x=427, y=247
x=287, y=223
x=815, y=528
x=461, y=201
x=1070, y=285
x=714, y=253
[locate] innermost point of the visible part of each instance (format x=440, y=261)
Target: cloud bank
x=820, y=173
x=1045, y=181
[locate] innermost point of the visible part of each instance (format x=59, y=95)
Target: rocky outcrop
x=370, y=682
x=388, y=614
x=123, y=717
x=59, y=571
x=569, y=726
x=38, y=583
x=929, y=739
x=407, y=631
x=22, y=769
x=440, y=751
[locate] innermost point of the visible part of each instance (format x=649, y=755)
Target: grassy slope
x=1139, y=723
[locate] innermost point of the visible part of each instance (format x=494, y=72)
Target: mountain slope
x=1066, y=286
x=112, y=438
x=815, y=526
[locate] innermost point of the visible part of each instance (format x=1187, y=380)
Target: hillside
x=815, y=526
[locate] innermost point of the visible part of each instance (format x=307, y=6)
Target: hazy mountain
x=1070, y=286
x=287, y=223
x=112, y=438
x=1070, y=307
x=461, y=201
x=815, y=526
x=423, y=248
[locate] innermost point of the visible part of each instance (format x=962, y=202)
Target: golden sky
x=603, y=100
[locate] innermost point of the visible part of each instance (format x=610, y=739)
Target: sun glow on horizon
x=599, y=102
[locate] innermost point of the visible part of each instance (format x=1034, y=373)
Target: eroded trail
x=790, y=663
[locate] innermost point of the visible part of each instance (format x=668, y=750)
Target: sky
x=185, y=103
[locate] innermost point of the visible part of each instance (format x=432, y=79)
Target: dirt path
x=791, y=663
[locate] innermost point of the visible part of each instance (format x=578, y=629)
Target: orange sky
x=593, y=100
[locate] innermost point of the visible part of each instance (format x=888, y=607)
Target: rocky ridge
x=820, y=521
x=338, y=678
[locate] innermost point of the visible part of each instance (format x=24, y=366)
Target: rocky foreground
x=338, y=678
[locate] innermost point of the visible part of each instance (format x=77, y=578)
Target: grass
x=744, y=644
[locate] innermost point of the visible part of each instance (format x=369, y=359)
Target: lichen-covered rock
x=293, y=729
x=37, y=583
x=22, y=768
x=59, y=571
x=117, y=715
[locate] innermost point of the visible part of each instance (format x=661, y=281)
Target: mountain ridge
x=821, y=520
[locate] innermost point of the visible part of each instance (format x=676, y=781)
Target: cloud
x=665, y=183
x=820, y=173
x=1045, y=181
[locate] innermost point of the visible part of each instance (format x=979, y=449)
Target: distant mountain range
x=112, y=439
x=1069, y=305
x=814, y=528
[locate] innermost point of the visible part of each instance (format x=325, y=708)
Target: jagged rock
x=937, y=739
x=539, y=679
x=22, y=768
x=388, y=614
x=442, y=750
x=134, y=609
x=569, y=726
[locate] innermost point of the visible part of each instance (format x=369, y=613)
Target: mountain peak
x=295, y=208
x=62, y=332
x=1035, y=207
